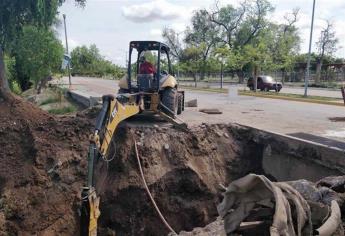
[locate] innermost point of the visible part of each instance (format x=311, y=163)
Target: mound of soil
x=43, y=167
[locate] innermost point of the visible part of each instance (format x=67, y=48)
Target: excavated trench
x=43, y=168
x=185, y=171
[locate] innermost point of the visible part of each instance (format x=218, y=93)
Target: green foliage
x=63, y=110
x=10, y=74
x=38, y=53
x=50, y=100
x=88, y=61
x=241, y=37
x=202, y=35
x=15, y=15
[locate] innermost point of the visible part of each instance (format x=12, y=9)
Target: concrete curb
x=292, y=99
x=84, y=99
x=304, y=153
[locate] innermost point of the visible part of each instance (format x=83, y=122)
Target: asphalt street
x=269, y=114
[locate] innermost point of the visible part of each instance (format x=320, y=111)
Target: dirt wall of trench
x=184, y=171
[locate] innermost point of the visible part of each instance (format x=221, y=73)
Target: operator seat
x=145, y=82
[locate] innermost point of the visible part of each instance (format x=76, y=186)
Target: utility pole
x=68, y=65
x=306, y=80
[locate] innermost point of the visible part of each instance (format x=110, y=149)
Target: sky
x=111, y=24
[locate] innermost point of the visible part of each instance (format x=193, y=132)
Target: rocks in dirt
x=192, y=103
x=166, y=146
x=33, y=99
x=215, y=228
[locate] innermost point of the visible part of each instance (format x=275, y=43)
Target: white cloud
x=154, y=10
x=179, y=26
x=155, y=32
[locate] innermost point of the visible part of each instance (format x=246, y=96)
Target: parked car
x=265, y=83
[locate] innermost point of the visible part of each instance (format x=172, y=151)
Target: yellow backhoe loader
x=156, y=92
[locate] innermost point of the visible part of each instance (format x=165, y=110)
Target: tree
x=282, y=43
x=190, y=61
x=326, y=45
x=240, y=26
x=39, y=53
x=254, y=22
x=171, y=38
x=229, y=19
x=203, y=35
x=14, y=15
x=88, y=61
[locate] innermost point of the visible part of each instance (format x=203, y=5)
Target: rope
x=148, y=191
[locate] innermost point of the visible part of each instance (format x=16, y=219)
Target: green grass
x=332, y=85
x=288, y=95
x=49, y=101
x=62, y=111
x=295, y=97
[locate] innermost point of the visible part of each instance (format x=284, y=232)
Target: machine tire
x=170, y=100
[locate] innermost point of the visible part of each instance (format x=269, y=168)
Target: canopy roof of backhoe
x=148, y=45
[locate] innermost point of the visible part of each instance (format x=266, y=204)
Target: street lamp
x=306, y=81
x=68, y=65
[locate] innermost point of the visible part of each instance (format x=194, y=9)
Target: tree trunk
x=255, y=78
x=203, y=69
x=283, y=71
x=318, y=71
x=240, y=76
x=4, y=88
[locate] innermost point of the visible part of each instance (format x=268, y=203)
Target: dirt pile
x=42, y=168
x=184, y=172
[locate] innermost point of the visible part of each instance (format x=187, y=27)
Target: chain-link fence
x=284, y=77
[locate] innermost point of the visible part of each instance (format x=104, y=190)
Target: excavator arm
x=112, y=113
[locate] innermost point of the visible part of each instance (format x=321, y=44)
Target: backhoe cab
x=162, y=82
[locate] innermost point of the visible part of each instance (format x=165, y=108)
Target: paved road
x=292, y=90
x=274, y=115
